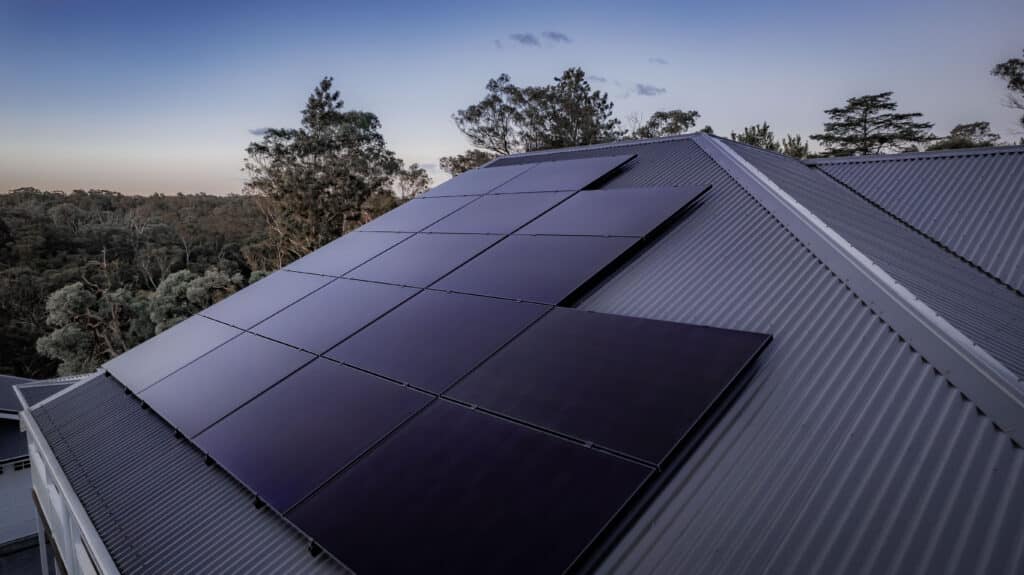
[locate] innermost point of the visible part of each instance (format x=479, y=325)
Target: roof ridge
x=912, y=227
x=924, y=155
x=994, y=389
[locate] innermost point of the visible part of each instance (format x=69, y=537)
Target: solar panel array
x=415, y=385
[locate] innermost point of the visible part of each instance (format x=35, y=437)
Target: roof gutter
x=986, y=381
x=76, y=538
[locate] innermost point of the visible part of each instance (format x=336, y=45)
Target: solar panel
x=628, y=384
x=498, y=214
x=328, y=316
x=263, y=298
x=212, y=386
x=543, y=269
x=415, y=215
x=563, y=175
x=422, y=259
x=477, y=182
x=614, y=212
x=345, y=253
x=294, y=437
x=171, y=349
x=435, y=338
x=456, y=491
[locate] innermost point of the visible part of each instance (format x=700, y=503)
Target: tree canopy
x=759, y=135
x=870, y=125
x=973, y=135
x=1012, y=71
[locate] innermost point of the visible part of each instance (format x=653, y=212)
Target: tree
x=1012, y=71
x=795, y=146
x=455, y=165
x=511, y=119
x=666, y=123
x=411, y=182
x=870, y=125
x=707, y=130
x=185, y=293
x=973, y=135
x=759, y=135
x=312, y=183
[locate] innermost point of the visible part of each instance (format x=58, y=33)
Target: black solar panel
x=415, y=215
x=294, y=437
x=456, y=491
x=220, y=381
x=498, y=214
x=435, y=338
x=563, y=175
x=157, y=357
x=477, y=182
x=328, y=316
x=543, y=269
x=264, y=298
x=423, y=259
x=345, y=253
x=632, y=212
x=629, y=384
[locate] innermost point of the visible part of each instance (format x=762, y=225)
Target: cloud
x=658, y=60
x=649, y=90
x=599, y=79
x=497, y=44
x=557, y=37
x=258, y=131
x=524, y=39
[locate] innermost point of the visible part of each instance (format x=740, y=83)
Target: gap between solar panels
x=433, y=343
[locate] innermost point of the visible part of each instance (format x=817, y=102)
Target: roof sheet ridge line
x=97, y=548
x=917, y=230
x=71, y=386
x=989, y=383
x=923, y=155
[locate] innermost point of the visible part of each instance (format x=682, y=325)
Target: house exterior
x=880, y=431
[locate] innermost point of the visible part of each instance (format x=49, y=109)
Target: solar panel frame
x=632, y=385
x=297, y=434
x=564, y=175
x=476, y=182
x=332, y=314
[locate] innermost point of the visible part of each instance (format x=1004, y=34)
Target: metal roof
x=846, y=452
x=974, y=200
x=8, y=400
x=155, y=503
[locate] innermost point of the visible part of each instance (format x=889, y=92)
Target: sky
x=144, y=98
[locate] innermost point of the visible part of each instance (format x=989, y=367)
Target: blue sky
x=144, y=98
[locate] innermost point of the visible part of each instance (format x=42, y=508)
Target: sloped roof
x=847, y=451
x=975, y=200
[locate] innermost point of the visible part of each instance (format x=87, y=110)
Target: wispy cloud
x=258, y=131
x=598, y=79
x=557, y=37
x=525, y=39
x=649, y=90
x=658, y=60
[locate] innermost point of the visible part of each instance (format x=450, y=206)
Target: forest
x=87, y=274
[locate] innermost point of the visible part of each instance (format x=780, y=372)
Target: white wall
x=17, y=512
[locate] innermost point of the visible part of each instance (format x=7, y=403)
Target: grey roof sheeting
x=988, y=312
x=155, y=503
x=846, y=453
x=975, y=200
x=8, y=400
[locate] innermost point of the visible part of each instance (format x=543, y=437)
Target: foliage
x=870, y=125
x=666, y=123
x=511, y=119
x=795, y=146
x=1012, y=71
x=316, y=182
x=184, y=293
x=759, y=135
x=973, y=135
x=455, y=165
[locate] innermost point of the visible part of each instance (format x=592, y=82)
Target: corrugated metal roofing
x=8, y=400
x=974, y=207
x=157, y=506
x=846, y=453
x=988, y=312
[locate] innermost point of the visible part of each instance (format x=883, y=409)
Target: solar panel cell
x=423, y=259
x=563, y=175
x=498, y=214
x=264, y=298
x=415, y=215
x=477, y=182
x=345, y=253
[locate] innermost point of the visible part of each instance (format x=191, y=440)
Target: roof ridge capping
x=991, y=385
x=925, y=155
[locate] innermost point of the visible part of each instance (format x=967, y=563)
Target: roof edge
x=989, y=383
x=926, y=155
